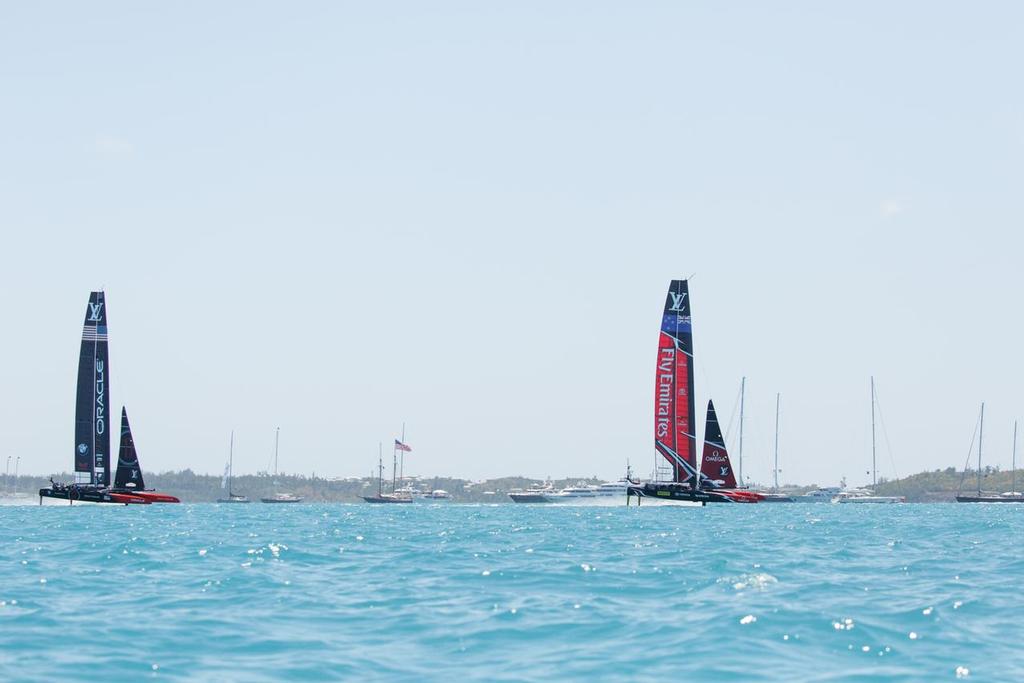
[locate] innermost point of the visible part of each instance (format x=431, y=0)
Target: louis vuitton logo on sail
x=677, y=301
x=95, y=311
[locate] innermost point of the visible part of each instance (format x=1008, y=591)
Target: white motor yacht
x=865, y=496
x=825, y=494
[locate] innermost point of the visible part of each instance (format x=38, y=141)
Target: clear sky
x=335, y=217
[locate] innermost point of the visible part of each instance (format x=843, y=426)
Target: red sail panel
x=715, y=467
x=673, y=387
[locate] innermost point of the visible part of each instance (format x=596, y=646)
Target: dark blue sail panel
x=128, y=474
x=92, y=433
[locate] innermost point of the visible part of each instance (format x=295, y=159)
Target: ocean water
x=512, y=592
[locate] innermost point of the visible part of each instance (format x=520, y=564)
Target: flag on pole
x=401, y=446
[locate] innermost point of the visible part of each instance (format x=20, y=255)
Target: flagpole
x=401, y=466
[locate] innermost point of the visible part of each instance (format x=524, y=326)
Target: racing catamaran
x=92, y=428
x=674, y=438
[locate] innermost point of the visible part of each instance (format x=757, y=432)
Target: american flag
x=401, y=446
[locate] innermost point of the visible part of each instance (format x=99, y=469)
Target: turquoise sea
x=512, y=592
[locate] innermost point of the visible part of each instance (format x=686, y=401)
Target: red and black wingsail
x=715, y=467
x=128, y=474
x=673, y=386
x=92, y=433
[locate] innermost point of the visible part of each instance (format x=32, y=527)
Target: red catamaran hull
x=74, y=494
x=151, y=496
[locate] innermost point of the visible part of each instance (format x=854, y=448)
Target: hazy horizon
x=334, y=219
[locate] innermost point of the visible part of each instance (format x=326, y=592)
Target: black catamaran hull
x=671, y=491
x=74, y=494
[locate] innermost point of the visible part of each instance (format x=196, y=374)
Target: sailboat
x=868, y=495
x=382, y=497
x=774, y=496
x=280, y=497
x=229, y=472
x=674, y=419
x=92, y=417
x=1011, y=496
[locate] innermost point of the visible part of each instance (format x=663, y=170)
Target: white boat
x=534, y=494
x=590, y=493
x=824, y=494
x=575, y=492
x=865, y=496
x=282, y=498
x=437, y=494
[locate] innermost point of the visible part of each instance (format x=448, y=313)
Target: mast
x=874, y=477
x=380, y=469
x=981, y=433
x=394, y=467
x=7, y=474
x=1013, y=467
x=277, y=437
x=743, y=387
x=16, y=463
x=776, y=470
x=231, y=461
x=401, y=465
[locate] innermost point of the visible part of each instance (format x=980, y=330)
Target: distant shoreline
x=935, y=486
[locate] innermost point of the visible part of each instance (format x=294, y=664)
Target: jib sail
x=715, y=467
x=673, y=387
x=92, y=434
x=129, y=474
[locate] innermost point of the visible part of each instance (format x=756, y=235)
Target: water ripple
x=308, y=592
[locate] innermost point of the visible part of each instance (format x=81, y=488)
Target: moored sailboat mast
x=775, y=469
x=981, y=435
x=743, y=389
x=874, y=465
x=1013, y=461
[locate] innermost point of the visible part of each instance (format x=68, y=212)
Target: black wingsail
x=129, y=474
x=92, y=436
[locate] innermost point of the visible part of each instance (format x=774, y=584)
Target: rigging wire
x=732, y=416
x=888, y=447
x=970, y=450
